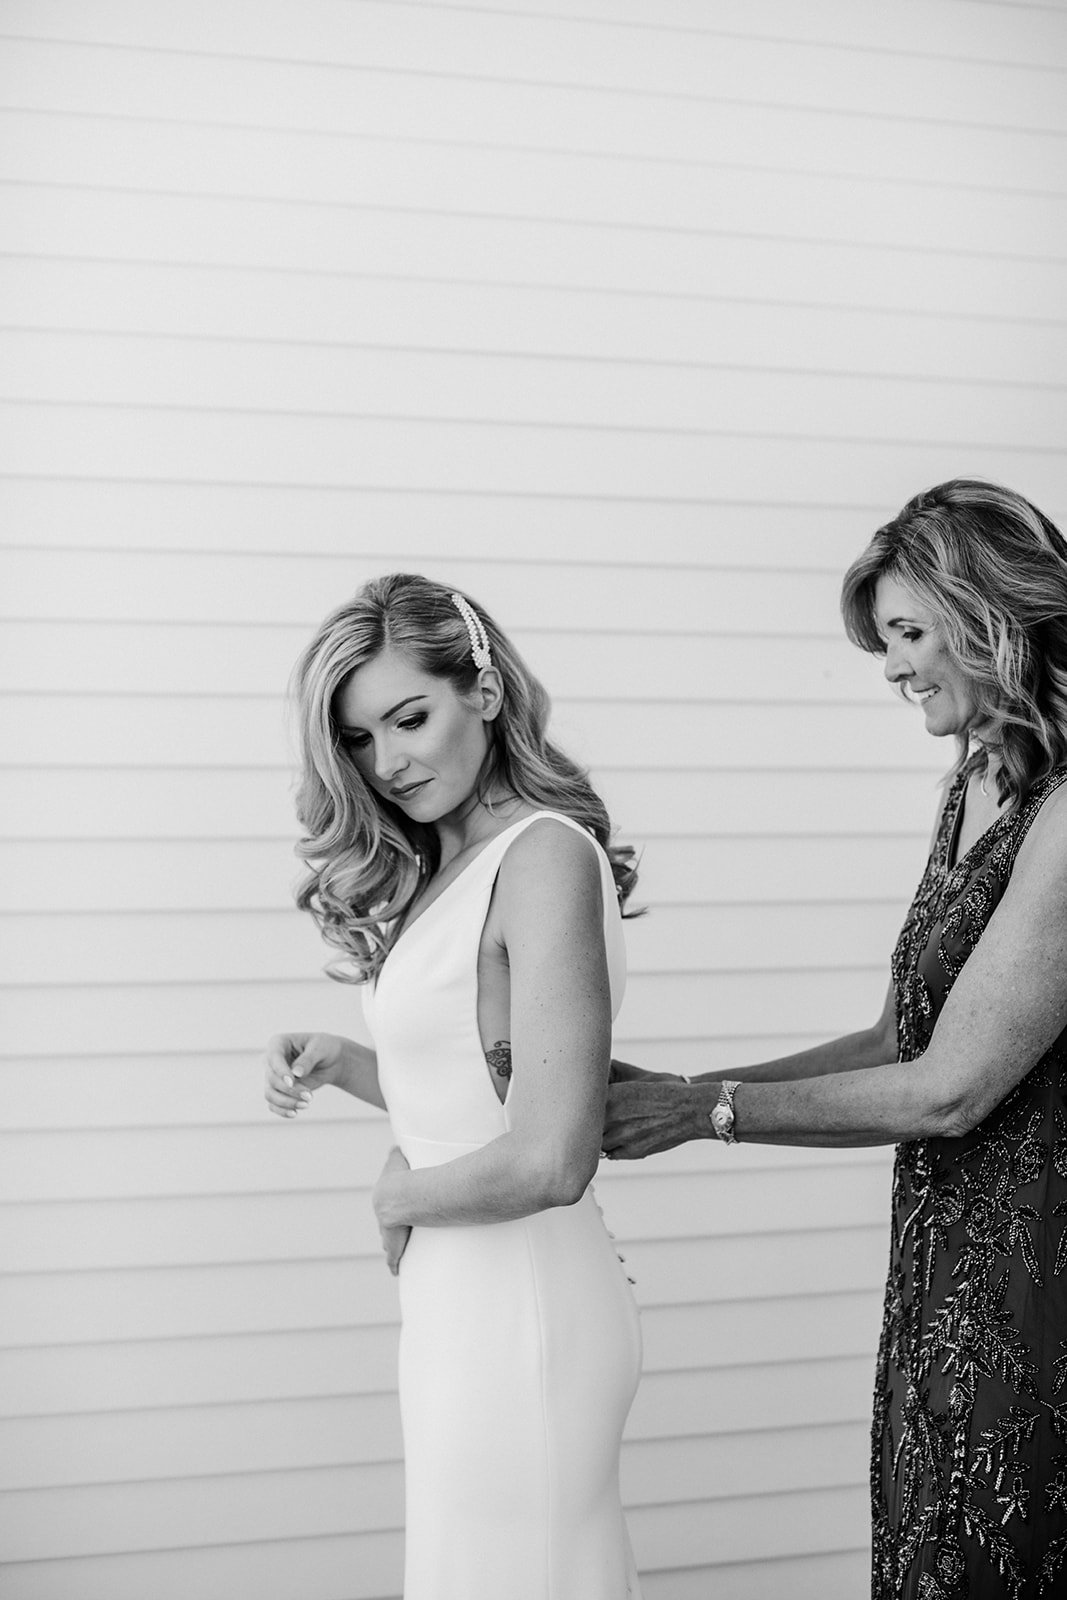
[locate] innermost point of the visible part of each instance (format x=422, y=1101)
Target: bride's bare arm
x=550, y=911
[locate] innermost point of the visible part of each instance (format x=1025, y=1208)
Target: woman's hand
x=395, y=1236
x=626, y=1072
x=296, y=1065
x=650, y=1114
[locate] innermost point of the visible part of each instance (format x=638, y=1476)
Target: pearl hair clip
x=478, y=636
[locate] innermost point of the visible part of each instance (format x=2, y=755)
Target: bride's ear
x=490, y=692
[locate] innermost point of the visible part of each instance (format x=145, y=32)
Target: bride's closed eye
x=360, y=741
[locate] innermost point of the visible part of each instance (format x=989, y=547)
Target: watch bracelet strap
x=727, y=1089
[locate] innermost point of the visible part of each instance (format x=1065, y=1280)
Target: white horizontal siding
x=710, y=304
x=175, y=875
x=305, y=380
x=635, y=323
x=226, y=804
x=131, y=948
x=566, y=189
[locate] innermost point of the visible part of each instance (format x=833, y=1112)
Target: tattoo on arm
x=499, y=1058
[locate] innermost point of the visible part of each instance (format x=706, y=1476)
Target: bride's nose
x=389, y=762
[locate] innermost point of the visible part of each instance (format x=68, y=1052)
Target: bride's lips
x=406, y=792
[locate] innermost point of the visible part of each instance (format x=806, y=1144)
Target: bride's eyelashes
x=360, y=741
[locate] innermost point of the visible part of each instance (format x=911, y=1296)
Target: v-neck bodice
x=423, y=1009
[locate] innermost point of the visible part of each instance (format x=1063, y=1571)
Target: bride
x=462, y=865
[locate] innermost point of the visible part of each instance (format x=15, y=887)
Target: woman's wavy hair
x=368, y=861
x=992, y=570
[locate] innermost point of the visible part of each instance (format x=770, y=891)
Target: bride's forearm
x=358, y=1073
x=508, y=1178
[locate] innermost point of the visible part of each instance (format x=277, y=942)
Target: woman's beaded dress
x=969, y=1461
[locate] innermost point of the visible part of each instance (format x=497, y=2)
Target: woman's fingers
x=644, y=1118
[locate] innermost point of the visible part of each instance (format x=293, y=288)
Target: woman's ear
x=490, y=692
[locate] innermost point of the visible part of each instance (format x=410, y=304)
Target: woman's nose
x=896, y=664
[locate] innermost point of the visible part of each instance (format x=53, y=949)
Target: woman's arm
x=299, y=1063
x=644, y=1118
x=870, y=1047
x=1004, y=1011
x=549, y=913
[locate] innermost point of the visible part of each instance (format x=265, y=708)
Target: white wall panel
x=635, y=322
x=146, y=803
x=757, y=534
x=148, y=1017
x=693, y=131
x=181, y=731
x=448, y=456
x=68, y=1379
x=715, y=300
x=597, y=191
x=64, y=1236
x=189, y=658
x=262, y=946
x=312, y=381
x=251, y=875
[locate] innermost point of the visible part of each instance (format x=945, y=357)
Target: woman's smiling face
x=411, y=736
x=918, y=659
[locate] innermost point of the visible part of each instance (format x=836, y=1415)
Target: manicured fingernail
x=287, y=1080
x=305, y=1099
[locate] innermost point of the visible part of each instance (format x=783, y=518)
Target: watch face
x=721, y=1119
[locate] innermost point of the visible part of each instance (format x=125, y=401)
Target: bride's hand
x=297, y=1064
x=395, y=1236
x=647, y=1115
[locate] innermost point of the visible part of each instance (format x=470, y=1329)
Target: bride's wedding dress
x=520, y=1347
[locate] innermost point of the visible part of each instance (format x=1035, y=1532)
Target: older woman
x=965, y=595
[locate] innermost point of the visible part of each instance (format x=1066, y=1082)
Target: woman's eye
x=355, y=741
x=414, y=721
x=912, y=636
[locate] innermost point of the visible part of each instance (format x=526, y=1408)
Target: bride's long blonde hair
x=367, y=861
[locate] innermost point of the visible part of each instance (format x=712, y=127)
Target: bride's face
x=412, y=737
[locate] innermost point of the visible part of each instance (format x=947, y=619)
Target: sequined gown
x=969, y=1459
x=520, y=1345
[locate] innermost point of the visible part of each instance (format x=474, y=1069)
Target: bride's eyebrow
x=351, y=727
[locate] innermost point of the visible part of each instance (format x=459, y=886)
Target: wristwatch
x=722, y=1117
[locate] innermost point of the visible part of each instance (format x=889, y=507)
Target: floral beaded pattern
x=969, y=1444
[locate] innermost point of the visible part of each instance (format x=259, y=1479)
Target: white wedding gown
x=520, y=1348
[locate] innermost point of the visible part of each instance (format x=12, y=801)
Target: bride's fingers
x=285, y=1102
x=284, y=1094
